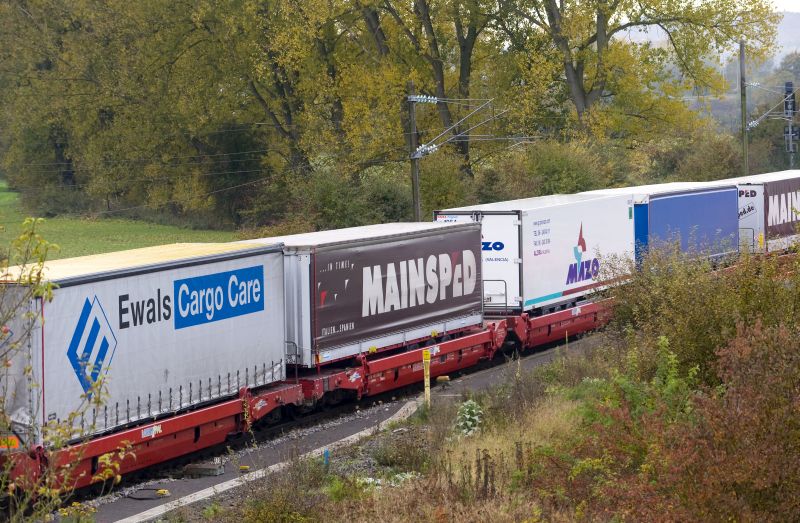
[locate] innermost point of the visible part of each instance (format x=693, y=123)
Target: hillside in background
x=788, y=34
x=787, y=41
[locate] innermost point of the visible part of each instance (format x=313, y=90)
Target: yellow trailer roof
x=115, y=261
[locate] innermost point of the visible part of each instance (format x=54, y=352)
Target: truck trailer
x=699, y=217
x=154, y=331
x=364, y=290
x=542, y=254
x=768, y=210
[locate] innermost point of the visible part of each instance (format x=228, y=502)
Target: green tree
x=615, y=84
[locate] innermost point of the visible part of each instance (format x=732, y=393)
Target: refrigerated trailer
x=154, y=331
x=544, y=253
x=363, y=290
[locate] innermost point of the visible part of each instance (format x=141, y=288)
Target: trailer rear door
x=502, y=259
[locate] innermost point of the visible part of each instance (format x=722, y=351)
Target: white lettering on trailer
x=783, y=208
x=208, y=301
x=244, y=292
x=416, y=282
x=432, y=279
x=445, y=275
x=373, y=296
x=409, y=283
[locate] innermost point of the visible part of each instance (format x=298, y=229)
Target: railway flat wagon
x=368, y=289
x=544, y=254
x=156, y=331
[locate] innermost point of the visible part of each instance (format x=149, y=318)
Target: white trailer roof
x=642, y=193
x=655, y=188
x=763, y=178
x=528, y=203
x=56, y=270
x=350, y=234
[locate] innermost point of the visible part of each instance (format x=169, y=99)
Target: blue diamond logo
x=93, y=344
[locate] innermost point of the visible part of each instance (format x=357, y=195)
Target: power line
x=178, y=200
x=162, y=164
x=149, y=180
x=145, y=159
x=753, y=124
x=273, y=173
x=202, y=195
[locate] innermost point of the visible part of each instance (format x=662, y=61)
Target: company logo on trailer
x=92, y=345
x=582, y=270
x=219, y=296
x=196, y=301
x=416, y=282
x=492, y=246
x=746, y=210
x=783, y=208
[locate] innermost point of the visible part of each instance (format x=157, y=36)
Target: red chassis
x=164, y=439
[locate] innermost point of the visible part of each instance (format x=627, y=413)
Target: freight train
x=188, y=345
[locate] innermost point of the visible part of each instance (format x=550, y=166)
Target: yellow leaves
x=372, y=112
x=636, y=88
x=110, y=463
x=78, y=512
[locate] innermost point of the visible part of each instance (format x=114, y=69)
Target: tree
x=211, y=111
x=605, y=72
x=791, y=65
x=446, y=36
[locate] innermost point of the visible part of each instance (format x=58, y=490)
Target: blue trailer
x=704, y=221
x=703, y=217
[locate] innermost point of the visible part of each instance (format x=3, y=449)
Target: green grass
x=82, y=236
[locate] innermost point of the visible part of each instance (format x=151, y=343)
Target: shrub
x=696, y=306
x=469, y=418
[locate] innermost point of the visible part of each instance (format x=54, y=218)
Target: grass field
x=80, y=236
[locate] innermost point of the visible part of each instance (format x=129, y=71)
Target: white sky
x=787, y=5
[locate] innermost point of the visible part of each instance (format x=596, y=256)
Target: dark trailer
x=366, y=289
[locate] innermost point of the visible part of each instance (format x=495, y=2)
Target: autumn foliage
x=692, y=412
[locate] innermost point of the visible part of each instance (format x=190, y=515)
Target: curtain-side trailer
x=367, y=289
x=153, y=331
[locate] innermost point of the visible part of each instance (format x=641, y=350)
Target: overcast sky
x=787, y=5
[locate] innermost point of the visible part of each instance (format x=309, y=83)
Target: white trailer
x=767, y=206
x=166, y=328
x=543, y=253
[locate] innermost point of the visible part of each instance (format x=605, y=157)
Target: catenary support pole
x=412, y=119
x=743, y=94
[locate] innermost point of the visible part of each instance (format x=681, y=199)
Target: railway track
x=262, y=434
x=263, y=448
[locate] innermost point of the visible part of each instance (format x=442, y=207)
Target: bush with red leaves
x=661, y=451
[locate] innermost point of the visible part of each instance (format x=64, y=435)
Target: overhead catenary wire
x=177, y=200
x=768, y=113
x=196, y=196
x=487, y=120
x=431, y=145
x=199, y=162
x=273, y=173
x=146, y=159
x=176, y=176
